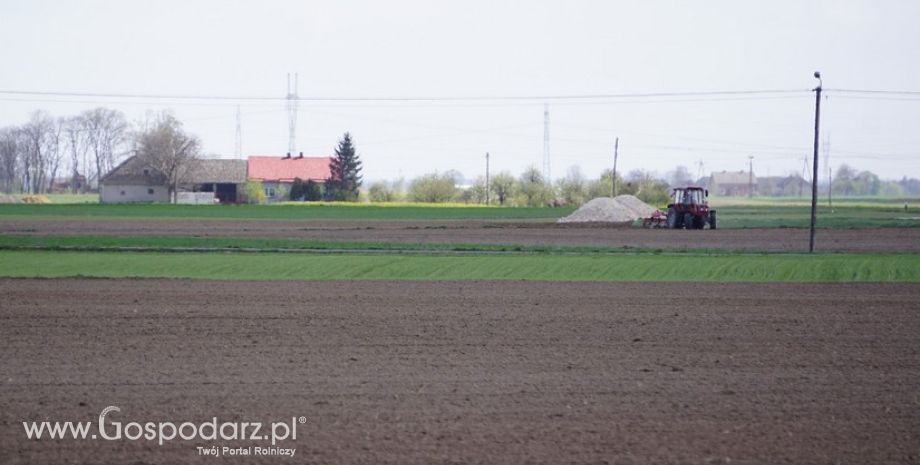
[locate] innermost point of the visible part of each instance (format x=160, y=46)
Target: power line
x=878, y=92
x=402, y=99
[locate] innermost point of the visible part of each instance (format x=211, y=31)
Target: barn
x=226, y=179
x=733, y=184
x=135, y=181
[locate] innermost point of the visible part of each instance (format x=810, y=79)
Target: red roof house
x=285, y=169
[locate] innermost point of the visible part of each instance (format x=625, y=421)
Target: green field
x=230, y=244
x=290, y=259
x=367, y=212
x=753, y=213
x=589, y=267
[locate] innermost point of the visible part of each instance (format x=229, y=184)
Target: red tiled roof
x=280, y=169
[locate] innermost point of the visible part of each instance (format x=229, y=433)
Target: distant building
x=226, y=179
x=74, y=183
x=133, y=181
x=779, y=186
x=277, y=174
x=732, y=184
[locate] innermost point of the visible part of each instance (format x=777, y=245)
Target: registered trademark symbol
x=302, y=420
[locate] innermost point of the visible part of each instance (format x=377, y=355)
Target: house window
x=146, y=172
x=122, y=192
x=270, y=192
x=150, y=191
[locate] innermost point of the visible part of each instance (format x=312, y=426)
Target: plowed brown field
x=478, y=232
x=468, y=372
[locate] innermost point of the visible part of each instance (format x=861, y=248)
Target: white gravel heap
x=623, y=208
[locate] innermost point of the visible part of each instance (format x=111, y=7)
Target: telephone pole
x=814, y=179
x=804, y=170
x=751, y=176
x=546, y=166
x=616, y=149
x=830, y=173
x=488, y=200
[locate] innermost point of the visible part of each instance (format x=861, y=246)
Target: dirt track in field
x=478, y=232
x=470, y=372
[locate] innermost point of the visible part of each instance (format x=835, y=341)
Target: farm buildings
x=134, y=181
x=278, y=174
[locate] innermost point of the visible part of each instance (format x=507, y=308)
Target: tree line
x=529, y=189
x=73, y=153
x=46, y=149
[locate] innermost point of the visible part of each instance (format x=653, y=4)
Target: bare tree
x=166, y=147
x=54, y=153
x=680, y=177
x=9, y=158
x=37, y=135
x=573, y=187
x=533, y=190
x=503, y=185
x=75, y=132
x=106, y=130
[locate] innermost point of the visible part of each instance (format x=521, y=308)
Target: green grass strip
x=305, y=211
x=358, y=266
x=221, y=244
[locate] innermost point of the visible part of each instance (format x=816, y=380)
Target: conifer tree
x=345, y=172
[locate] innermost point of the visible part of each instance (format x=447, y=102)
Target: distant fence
x=195, y=198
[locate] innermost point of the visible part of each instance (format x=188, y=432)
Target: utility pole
x=751, y=176
x=546, y=166
x=814, y=179
x=616, y=149
x=488, y=200
x=804, y=170
x=830, y=173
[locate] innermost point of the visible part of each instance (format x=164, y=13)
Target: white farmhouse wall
x=133, y=194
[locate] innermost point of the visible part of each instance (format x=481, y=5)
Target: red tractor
x=689, y=209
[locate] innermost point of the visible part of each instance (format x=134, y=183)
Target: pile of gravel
x=622, y=209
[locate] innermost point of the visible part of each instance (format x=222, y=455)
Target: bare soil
x=478, y=232
x=468, y=372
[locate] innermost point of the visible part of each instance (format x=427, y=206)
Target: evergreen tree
x=297, y=189
x=312, y=191
x=345, y=169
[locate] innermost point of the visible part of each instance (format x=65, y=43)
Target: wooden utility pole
x=487, y=179
x=616, y=149
x=814, y=178
x=751, y=176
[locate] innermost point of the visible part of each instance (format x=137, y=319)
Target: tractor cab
x=689, y=209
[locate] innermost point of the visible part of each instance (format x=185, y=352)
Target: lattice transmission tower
x=293, y=101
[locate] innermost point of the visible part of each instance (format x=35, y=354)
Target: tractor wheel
x=712, y=219
x=688, y=220
x=672, y=218
x=698, y=222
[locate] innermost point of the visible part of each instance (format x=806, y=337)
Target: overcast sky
x=357, y=59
